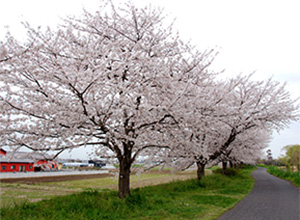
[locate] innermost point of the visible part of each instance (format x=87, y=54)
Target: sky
x=260, y=36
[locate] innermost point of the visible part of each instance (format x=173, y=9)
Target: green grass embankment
x=294, y=177
x=188, y=199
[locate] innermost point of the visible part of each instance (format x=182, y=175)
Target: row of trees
x=120, y=80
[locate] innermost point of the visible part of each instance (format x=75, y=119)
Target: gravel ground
x=271, y=199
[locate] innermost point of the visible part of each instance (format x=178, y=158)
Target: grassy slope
x=177, y=200
x=294, y=177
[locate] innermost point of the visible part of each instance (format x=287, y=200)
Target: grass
x=12, y=194
x=294, y=177
x=188, y=199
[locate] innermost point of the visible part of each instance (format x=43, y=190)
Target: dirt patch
x=45, y=179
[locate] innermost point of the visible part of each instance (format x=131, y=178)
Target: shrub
x=227, y=172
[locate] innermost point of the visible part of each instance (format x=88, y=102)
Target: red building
x=2, y=152
x=45, y=165
x=24, y=162
x=16, y=165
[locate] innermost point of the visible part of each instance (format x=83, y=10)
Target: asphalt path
x=271, y=199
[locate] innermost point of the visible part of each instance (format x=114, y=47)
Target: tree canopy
x=122, y=81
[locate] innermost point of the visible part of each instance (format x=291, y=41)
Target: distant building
x=45, y=165
x=2, y=152
x=75, y=164
x=16, y=165
x=97, y=163
x=24, y=162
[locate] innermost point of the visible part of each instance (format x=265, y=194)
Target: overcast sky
x=250, y=35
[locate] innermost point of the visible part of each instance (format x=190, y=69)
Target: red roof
x=3, y=152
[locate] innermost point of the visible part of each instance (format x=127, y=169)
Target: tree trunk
x=231, y=164
x=200, y=170
x=235, y=165
x=124, y=179
x=224, y=166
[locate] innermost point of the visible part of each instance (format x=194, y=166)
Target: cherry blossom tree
x=232, y=122
x=247, y=147
x=108, y=80
x=261, y=105
x=201, y=127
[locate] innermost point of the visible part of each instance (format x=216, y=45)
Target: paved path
x=271, y=199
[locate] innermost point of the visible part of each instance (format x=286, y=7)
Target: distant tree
x=283, y=161
x=107, y=80
x=269, y=157
x=292, y=156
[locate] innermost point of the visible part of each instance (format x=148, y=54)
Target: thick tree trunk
x=224, y=166
x=231, y=164
x=125, y=162
x=200, y=170
x=124, y=179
